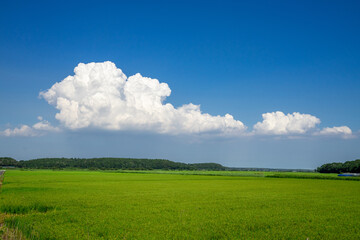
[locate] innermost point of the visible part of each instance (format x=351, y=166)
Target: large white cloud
x=99, y=95
x=277, y=123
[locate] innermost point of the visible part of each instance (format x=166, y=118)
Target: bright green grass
x=245, y=174
x=110, y=205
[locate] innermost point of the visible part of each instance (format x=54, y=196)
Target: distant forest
x=158, y=164
x=336, y=167
x=107, y=164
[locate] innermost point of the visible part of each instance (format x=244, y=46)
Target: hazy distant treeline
x=349, y=166
x=108, y=163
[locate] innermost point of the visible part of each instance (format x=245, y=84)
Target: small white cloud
x=99, y=95
x=343, y=131
x=38, y=129
x=277, y=123
x=45, y=126
x=23, y=130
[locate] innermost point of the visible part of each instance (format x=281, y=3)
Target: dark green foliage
x=7, y=161
x=114, y=163
x=349, y=166
x=207, y=166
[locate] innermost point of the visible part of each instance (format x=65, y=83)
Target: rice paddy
x=45, y=204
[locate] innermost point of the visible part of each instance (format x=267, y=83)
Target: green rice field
x=46, y=204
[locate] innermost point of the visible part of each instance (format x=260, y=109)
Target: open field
x=305, y=175
x=46, y=204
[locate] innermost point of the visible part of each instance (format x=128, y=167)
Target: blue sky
x=240, y=58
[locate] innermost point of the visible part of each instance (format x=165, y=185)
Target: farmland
x=46, y=204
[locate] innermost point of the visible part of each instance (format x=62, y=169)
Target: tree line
x=108, y=164
x=7, y=161
x=337, y=167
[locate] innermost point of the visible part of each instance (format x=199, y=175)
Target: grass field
x=116, y=205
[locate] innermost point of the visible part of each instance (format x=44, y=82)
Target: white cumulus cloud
x=45, y=126
x=99, y=95
x=277, y=123
x=343, y=131
x=37, y=129
x=23, y=130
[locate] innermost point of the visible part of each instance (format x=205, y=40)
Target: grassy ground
x=112, y=205
x=310, y=175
